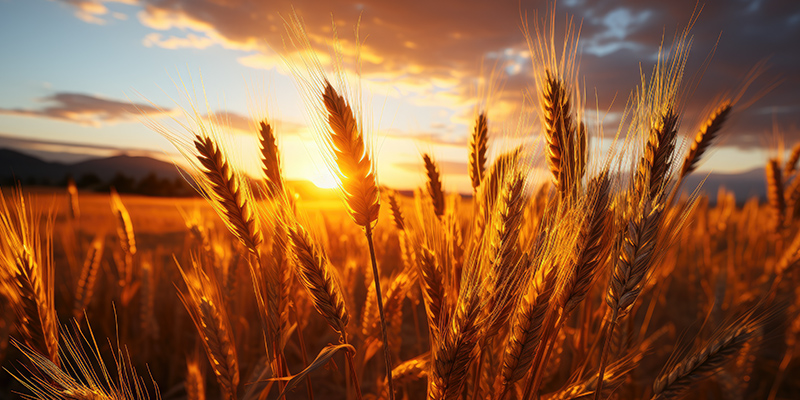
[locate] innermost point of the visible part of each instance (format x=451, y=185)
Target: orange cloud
x=86, y=109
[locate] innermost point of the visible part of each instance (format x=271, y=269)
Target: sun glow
x=324, y=180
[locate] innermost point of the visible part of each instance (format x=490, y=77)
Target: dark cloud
x=437, y=46
x=85, y=109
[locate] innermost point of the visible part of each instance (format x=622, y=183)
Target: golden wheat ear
x=204, y=302
x=478, y=144
x=26, y=258
x=227, y=193
x=434, y=184
x=270, y=159
x=354, y=167
x=705, y=137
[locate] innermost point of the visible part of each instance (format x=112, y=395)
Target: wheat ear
x=477, y=150
x=195, y=380
x=74, y=205
x=314, y=273
x=706, y=360
x=503, y=253
x=270, y=159
x=228, y=193
x=629, y=271
x=775, y=194
x=654, y=165
x=28, y=261
x=85, y=289
x=352, y=160
x=203, y=300
x=432, y=285
x=526, y=330
x=791, y=162
x=456, y=349
x=705, y=136
x=434, y=185
x=588, y=254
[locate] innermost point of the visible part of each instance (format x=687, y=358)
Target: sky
x=82, y=78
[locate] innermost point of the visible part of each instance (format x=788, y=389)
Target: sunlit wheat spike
x=588, y=254
x=635, y=257
x=147, y=289
x=478, y=143
x=413, y=369
x=613, y=378
x=227, y=192
x=313, y=271
x=434, y=185
x=36, y=318
x=432, y=287
x=505, y=271
x=559, y=130
x=705, y=136
x=526, y=328
x=492, y=184
x=655, y=163
x=354, y=167
x=85, y=289
x=84, y=374
x=775, y=193
x=270, y=158
x=195, y=383
x=26, y=261
x=397, y=212
x=791, y=162
x=792, y=198
x=455, y=350
x=707, y=359
x=74, y=205
x=203, y=300
x=124, y=225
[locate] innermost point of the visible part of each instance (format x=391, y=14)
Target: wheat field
x=602, y=277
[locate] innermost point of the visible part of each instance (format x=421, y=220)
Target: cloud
x=86, y=109
x=248, y=125
x=446, y=168
x=430, y=52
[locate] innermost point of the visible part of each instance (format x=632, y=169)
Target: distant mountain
x=744, y=184
x=20, y=166
x=17, y=165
